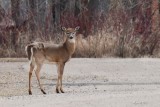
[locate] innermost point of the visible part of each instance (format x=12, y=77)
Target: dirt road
x=87, y=82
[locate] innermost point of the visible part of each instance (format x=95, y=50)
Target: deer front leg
x=57, y=85
x=60, y=75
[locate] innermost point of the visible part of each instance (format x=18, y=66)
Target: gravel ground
x=87, y=82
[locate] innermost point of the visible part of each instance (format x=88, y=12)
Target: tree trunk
x=93, y=7
x=77, y=8
x=15, y=8
x=32, y=24
x=48, y=18
x=2, y=12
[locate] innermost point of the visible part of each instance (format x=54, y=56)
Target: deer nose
x=71, y=37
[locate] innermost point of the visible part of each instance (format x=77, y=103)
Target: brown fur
x=36, y=46
x=38, y=52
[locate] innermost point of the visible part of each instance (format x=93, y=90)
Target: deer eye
x=73, y=33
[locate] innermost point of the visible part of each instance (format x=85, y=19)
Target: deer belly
x=49, y=58
x=52, y=59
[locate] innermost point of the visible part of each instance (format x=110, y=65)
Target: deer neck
x=70, y=45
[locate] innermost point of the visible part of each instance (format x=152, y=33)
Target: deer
x=39, y=52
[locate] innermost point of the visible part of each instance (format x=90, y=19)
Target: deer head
x=70, y=32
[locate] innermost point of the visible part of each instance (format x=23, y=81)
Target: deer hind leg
x=60, y=75
x=30, y=76
x=37, y=72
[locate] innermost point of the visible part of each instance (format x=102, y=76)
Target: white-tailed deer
x=38, y=52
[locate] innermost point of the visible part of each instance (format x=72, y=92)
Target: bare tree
x=15, y=6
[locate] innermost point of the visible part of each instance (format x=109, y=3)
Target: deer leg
x=30, y=76
x=37, y=72
x=61, y=75
x=57, y=85
x=59, y=80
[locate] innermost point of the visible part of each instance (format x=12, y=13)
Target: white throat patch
x=72, y=40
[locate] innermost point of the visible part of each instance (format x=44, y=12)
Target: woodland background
x=108, y=28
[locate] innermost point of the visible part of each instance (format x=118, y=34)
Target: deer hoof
x=57, y=91
x=43, y=91
x=30, y=93
x=62, y=91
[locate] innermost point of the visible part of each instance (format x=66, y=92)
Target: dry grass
x=96, y=46
x=102, y=44
x=110, y=45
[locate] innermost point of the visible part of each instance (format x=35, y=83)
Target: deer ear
x=77, y=28
x=63, y=29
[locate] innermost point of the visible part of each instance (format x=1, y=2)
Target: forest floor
x=102, y=82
